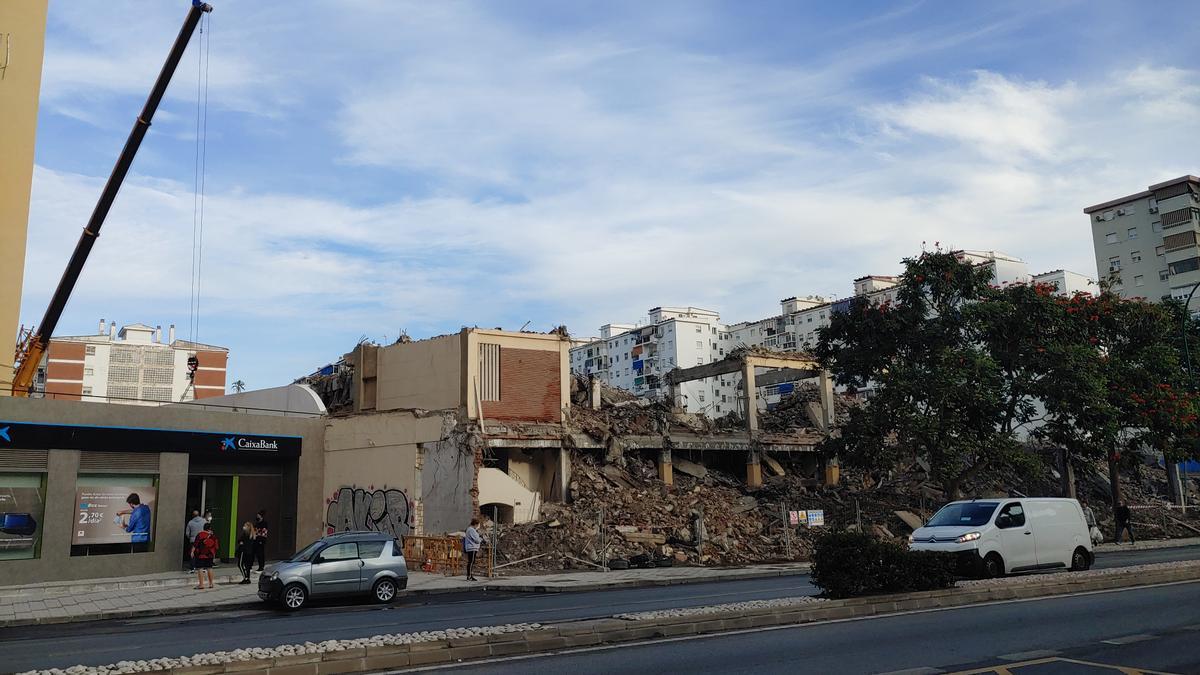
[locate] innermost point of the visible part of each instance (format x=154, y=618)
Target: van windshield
x=969, y=514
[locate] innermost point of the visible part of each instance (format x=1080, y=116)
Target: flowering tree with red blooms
x=963, y=369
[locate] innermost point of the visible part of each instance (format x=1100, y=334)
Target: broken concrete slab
x=689, y=467
x=910, y=519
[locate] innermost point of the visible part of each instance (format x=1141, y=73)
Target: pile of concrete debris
x=623, y=513
x=710, y=518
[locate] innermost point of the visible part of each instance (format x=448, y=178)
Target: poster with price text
x=113, y=515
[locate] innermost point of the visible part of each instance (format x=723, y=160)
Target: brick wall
x=530, y=386
x=58, y=370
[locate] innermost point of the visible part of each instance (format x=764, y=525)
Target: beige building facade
x=22, y=43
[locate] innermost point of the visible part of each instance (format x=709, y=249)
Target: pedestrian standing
x=206, y=546
x=245, y=551
x=471, y=543
x=1123, y=516
x=194, y=527
x=260, y=538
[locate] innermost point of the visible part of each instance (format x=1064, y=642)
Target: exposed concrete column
x=828, y=410
x=753, y=470
x=751, y=392
x=564, y=473
x=666, y=471
x=594, y=390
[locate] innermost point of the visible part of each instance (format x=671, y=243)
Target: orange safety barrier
x=442, y=554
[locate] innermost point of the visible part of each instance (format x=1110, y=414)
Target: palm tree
x=239, y=386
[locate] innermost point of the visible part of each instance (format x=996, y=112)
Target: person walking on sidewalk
x=245, y=551
x=1123, y=517
x=260, y=539
x=471, y=543
x=1089, y=517
x=194, y=527
x=206, y=547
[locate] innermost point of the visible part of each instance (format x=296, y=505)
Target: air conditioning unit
x=1099, y=218
x=1153, y=209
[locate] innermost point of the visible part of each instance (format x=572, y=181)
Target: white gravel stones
x=773, y=603
x=1062, y=576
x=251, y=653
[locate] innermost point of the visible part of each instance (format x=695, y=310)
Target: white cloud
x=575, y=177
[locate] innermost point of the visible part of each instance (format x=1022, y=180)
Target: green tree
x=938, y=393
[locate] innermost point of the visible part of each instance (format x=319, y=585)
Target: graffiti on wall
x=370, y=510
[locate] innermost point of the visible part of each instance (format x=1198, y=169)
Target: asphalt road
x=1155, y=628
x=101, y=642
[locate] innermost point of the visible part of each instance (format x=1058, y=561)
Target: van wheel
x=294, y=597
x=384, y=591
x=1080, y=560
x=993, y=566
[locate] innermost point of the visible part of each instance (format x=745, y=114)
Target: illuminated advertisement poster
x=21, y=508
x=113, y=515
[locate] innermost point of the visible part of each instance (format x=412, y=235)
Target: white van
x=994, y=537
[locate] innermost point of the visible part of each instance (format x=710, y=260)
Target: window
x=370, y=549
x=714, y=330
x=1114, y=264
x=23, y=500
x=1110, y=238
x=1132, y=233
x=1156, y=226
x=702, y=397
x=89, y=371
x=87, y=391
x=90, y=350
x=340, y=552
x=1139, y=280
x=724, y=398
x=698, y=329
x=1015, y=512
x=489, y=371
x=1189, y=265
x=1160, y=250
x=1136, y=256
x=699, y=344
x=1163, y=275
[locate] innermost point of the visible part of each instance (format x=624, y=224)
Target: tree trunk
x=1114, y=480
x=1068, y=474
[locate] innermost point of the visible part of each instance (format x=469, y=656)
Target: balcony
x=1184, y=216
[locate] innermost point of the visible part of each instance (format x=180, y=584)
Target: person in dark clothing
x=1123, y=516
x=245, y=551
x=260, y=539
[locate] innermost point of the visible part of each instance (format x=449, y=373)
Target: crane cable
x=203, y=50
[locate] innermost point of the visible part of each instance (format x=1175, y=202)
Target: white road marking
x=1130, y=639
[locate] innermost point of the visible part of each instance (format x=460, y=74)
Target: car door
x=1017, y=544
x=337, y=569
x=371, y=553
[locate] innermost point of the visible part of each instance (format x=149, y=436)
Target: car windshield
x=969, y=514
x=304, y=554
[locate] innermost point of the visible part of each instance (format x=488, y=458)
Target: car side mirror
x=1004, y=521
x=318, y=560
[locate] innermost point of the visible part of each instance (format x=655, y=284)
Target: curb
x=525, y=588
x=591, y=632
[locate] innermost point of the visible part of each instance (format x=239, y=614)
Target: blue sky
x=381, y=166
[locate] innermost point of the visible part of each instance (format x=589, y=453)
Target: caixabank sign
x=26, y=435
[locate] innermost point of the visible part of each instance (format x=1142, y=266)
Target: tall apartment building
x=132, y=366
x=1146, y=242
x=635, y=358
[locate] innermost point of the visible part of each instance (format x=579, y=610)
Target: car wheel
x=1080, y=560
x=384, y=591
x=993, y=566
x=294, y=596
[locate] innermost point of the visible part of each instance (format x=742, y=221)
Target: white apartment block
x=635, y=358
x=1146, y=243
x=130, y=366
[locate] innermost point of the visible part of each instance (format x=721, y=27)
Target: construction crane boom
x=29, y=353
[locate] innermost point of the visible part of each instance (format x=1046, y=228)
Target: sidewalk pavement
x=1111, y=547
x=174, y=593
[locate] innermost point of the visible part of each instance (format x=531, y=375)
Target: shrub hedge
x=850, y=564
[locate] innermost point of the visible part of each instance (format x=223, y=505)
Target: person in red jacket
x=206, y=547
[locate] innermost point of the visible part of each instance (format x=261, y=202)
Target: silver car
x=347, y=563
